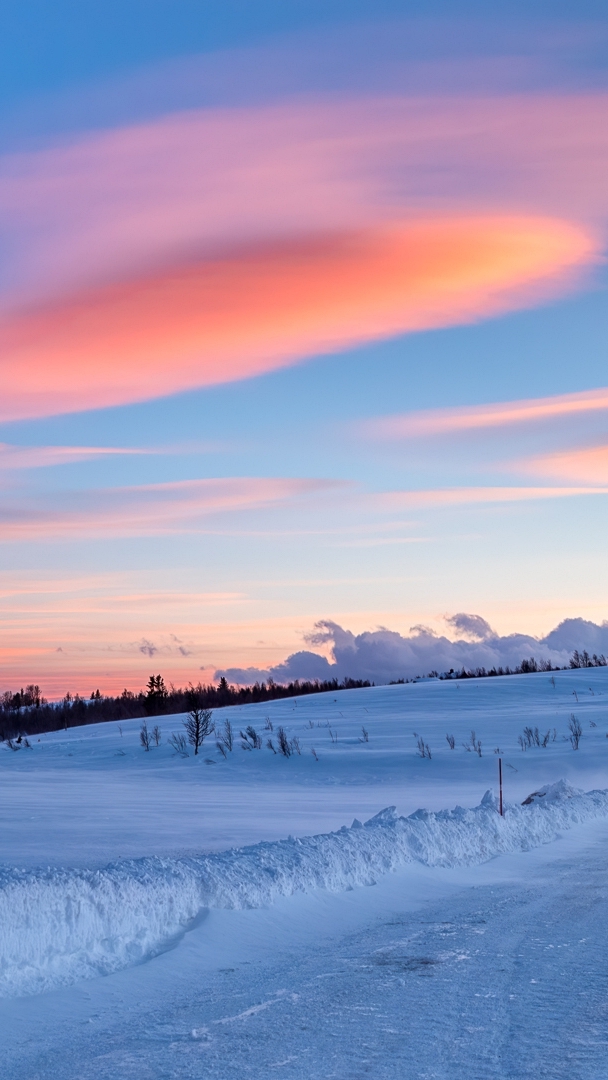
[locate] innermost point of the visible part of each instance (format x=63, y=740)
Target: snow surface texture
x=60, y=926
x=91, y=795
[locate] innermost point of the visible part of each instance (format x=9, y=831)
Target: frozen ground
x=212, y=969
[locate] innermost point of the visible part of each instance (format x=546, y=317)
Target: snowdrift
x=61, y=926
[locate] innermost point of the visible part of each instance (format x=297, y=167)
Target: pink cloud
x=501, y=414
x=217, y=244
x=35, y=457
x=149, y=510
x=256, y=310
x=130, y=200
x=465, y=496
x=588, y=465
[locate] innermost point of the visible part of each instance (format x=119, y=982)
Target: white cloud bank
x=382, y=655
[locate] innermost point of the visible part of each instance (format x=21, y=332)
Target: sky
x=303, y=333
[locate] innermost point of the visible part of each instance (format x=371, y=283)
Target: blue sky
x=201, y=520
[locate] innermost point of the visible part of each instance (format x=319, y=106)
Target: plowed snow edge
x=60, y=926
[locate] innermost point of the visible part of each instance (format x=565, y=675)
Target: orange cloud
x=116, y=203
x=238, y=315
x=446, y=421
x=586, y=466
x=463, y=496
x=151, y=509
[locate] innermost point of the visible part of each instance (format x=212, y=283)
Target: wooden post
x=500, y=783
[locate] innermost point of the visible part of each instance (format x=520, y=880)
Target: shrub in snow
x=179, y=744
x=284, y=743
x=576, y=731
x=226, y=736
x=532, y=737
x=424, y=749
x=145, y=736
x=250, y=739
x=474, y=745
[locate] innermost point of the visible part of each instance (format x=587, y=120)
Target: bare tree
x=145, y=736
x=156, y=735
x=365, y=734
x=198, y=725
x=451, y=741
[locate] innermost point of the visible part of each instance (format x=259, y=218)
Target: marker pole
x=500, y=783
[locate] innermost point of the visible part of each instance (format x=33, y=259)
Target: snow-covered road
x=498, y=971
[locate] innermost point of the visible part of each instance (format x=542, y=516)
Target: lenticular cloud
x=382, y=655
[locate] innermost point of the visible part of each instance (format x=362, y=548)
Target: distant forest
x=27, y=712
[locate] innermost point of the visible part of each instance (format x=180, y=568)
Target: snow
x=90, y=795
x=58, y=926
x=160, y=873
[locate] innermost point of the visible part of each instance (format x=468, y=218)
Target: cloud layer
x=148, y=509
x=584, y=465
x=213, y=245
x=429, y=422
x=382, y=655
x=236, y=316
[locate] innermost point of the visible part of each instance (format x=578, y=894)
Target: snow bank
x=60, y=926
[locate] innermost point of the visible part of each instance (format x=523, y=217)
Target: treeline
x=577, y=660
x=530, y=665
x=27, y=712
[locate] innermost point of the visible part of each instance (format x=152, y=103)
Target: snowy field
x=163, y=916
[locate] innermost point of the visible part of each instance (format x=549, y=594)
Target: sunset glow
x=311, y=321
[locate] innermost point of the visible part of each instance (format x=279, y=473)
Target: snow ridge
x=60, y=926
